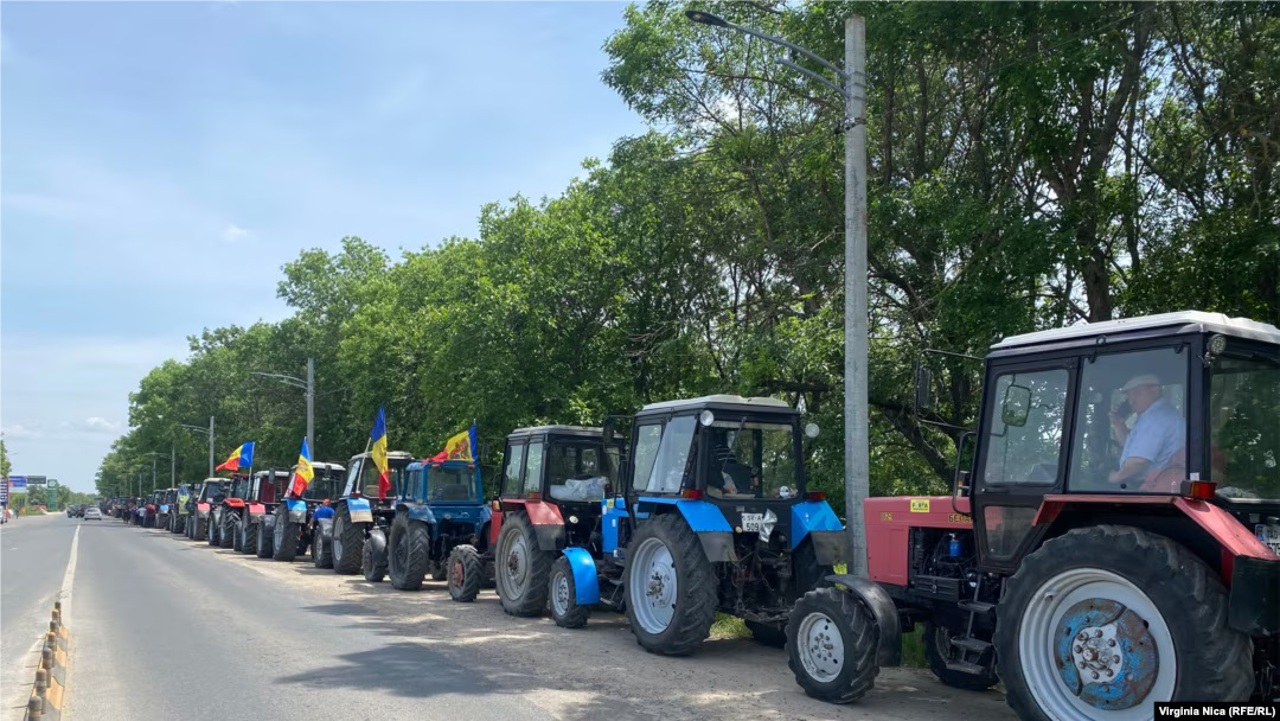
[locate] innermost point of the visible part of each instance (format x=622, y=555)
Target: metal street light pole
x=208, y=432
x=308, y=385
x=851, y=85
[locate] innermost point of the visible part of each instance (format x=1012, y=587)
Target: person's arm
x=1134, y=467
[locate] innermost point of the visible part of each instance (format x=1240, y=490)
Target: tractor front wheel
x=465, y=573
x=408, y=555
x=522, y=568
x=832, y=639
x=1102, y=622
x=266, y=533
x=229, y=531
x=671, y=587
x=285, y=539
x=212, y=534
x=321, y=548
x=563, y=592
x=439, y=570
x=249, y=545
x=373, y=567
x=348, y=542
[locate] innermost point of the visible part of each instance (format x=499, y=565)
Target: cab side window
x=1024, y=444
x=511, y=486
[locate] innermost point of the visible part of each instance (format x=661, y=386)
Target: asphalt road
x=166, y=628
x=33, y=559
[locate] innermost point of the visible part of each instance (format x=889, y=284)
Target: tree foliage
x=1030, y=166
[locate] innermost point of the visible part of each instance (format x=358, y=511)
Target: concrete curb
x=48, y=692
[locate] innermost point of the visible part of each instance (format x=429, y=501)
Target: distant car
x=92, y=514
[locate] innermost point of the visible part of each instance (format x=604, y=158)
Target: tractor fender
x=704, y=519
x=296, y=508
x=586, y=581
x=234, y=503
x=548, y=524
x=379, y=541
x=422, y=514
x=816, y=520
x=873, y=596
x=164, y=507
x=256, y=509
x=360, y=510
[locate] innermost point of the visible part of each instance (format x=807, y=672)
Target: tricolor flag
x=304, y=473
x=461, y=447
x=379, y=452
x=242, y=456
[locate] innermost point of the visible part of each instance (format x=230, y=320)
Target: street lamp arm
x=844, y=77
x=287, y=380
x=813, y=76
x=194, y=428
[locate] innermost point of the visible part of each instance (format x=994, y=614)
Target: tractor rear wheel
x=522, y=568
x=465, y=573
x=348, y=542
x=767, y=634
x=832, y=640
x=671, y=587
x=249, y=544
x=284, y=539
x=373, y=567
x=409, y=553
x=939, y=651
x=321, y=549
x=265, y=536
x=1116, y=602
x=562, y=590
x=229, y=531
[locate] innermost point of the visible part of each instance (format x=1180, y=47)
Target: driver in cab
x=1154, y=441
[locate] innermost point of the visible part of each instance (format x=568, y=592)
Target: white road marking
x=68, y=578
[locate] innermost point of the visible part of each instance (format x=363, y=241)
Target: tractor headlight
x=767, y=525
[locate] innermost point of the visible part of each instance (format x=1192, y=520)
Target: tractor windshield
x=751, y=459
x=210, y=490
x=1244, y=432
x=580, y=469
x=451, y=483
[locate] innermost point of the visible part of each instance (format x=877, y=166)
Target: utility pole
x=211, y=464
x=173, y=465
x=153, y=473
x=857, y=442
x=311, y=406
x=851, y=84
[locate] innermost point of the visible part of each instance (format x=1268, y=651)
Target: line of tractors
x=1089, y=595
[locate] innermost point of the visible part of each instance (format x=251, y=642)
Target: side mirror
x=924, y=387
x=811, y=430
x=1016, y=406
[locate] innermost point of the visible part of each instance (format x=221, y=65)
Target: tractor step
x=966, y=667
x=981, y=607
x=972, y=645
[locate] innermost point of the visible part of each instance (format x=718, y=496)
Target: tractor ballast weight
x=441, y=506
x=713, y=515
x=553, y=483
x=360, y=511
x=1090, y=583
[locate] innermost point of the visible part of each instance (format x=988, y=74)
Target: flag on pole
x=303, y=474
x=461, y=447
x=379, y=452
x=242, y=456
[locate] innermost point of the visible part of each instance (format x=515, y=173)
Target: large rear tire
x=671, y=587
x=466, y=572
x=562, y=592
x=522, y=568
x=409, y=553
x=285, y=539
x=1116, y=602
x=249, y=542
x=228, y=533
x=832, y=639
x=348, y=543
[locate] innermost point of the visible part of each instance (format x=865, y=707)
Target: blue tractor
x=440, y=507
x=362, y=509
x=712, y=515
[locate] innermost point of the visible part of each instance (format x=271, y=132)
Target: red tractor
x=1115, y=542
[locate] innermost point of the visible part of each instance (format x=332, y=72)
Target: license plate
x=751, y=522
x=1272, y=538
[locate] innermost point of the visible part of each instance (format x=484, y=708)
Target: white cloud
x=233, y=232
x=17, y=430
x=94, y=424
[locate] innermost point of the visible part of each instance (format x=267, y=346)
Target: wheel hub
x=822, y=649
x=562, y=594
x=1105, y=654
x=457, y=574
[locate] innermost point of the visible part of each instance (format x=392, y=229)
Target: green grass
x=913, y=649
x=727, y=626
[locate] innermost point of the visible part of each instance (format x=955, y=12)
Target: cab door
x=1022, y=455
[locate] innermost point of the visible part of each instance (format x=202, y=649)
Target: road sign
x=4, y=493
x=19, y=482
x=51, y=494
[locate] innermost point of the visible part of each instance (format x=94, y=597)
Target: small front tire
x=562, y=592
x=832, y=639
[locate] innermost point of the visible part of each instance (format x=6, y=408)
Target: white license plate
x=751, y=522
x=1273, y=538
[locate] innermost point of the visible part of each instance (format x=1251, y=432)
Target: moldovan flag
x=462, y=447
x=379, y=452
x=240, y=457
x=304, y=473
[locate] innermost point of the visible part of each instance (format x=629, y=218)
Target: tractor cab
x=1116, y=535
x=327, y=483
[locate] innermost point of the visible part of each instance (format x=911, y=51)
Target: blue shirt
x=1157, y=437
x=323, y=512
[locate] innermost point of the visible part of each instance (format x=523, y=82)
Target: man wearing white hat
x=1156, y=438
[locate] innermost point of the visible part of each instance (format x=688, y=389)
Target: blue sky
x=161, y=161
